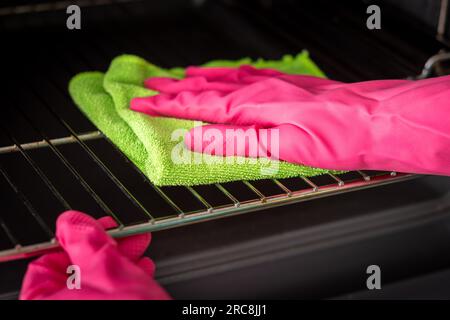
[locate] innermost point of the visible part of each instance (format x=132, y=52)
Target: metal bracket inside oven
x=433, y=64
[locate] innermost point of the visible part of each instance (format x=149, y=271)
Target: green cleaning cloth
x=148, y=141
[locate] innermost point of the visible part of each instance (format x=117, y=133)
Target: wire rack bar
x=209, y=208
x=339, y=181
x=9, y=234
x=255, y=190
x=365, y=176
x=311, y=184
x=282, y=186
x=56, y=142
x=53, y=6
x=228, y=194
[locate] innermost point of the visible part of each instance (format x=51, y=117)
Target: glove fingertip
x=193, y=71
x=107, y=222
x=143, y=105
x=158, y=83
x=68, y=219
x=147, y=264
x=77, y=231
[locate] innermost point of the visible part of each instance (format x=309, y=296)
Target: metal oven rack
x=51, y=156
x=263, y=194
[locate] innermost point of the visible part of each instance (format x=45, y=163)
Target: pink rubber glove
x=109, y=269
x=397, y=125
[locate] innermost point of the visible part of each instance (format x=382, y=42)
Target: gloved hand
x=109, y=269
x=397, y=125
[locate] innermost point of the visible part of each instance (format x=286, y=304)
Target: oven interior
x=298, y=237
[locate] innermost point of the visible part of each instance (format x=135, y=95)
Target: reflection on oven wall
x=431, y=13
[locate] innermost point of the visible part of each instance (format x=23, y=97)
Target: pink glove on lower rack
x=109, y=269
x=397, y=125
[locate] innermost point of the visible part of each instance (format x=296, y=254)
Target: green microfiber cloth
x=146, y=141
